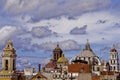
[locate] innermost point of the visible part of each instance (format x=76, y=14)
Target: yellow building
x=8, y=71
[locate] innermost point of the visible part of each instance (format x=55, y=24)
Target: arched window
x=114, y=68
x=110, y=67
x=114, y=61
x=112, y=56
x=111, y=61
x=13, y=64
x=6, y=64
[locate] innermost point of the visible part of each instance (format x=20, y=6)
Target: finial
x=87, y=46
x=57, y=44
x=87, y=40
x=9, y=44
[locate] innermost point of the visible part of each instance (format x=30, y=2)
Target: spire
x=87, y=46
x=57, y=44
x=113, y=49
x=9, y=44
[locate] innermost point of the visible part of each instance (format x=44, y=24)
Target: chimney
x=39, y=68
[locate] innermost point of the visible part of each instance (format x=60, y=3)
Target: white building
x=114, y=60
x=88, y=55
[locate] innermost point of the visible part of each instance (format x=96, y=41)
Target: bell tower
x=57, y=53
x=114, y=60
x=9, y=57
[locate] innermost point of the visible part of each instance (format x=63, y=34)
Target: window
x=114, y=61
x=98, y=68
x=13, y=64
x=115, y=56
x=6, y=64
x=88, y=58
x=112, y=56
x=110, y=67
x=79, y=58
x=84, y=58
x=114, y=67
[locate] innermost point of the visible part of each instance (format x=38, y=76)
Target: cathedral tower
x=57, y=53
x=8, y=71
x=9, y=57
x=114, y=60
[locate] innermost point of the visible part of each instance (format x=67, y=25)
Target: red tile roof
x=107, y=73
x=78, y=67
x=95, y=77
x=51, y=65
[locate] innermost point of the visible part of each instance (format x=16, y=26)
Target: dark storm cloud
x=79, y=31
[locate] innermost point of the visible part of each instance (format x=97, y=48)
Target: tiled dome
x=62, y=59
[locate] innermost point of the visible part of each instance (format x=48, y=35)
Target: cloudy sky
x=35, y=26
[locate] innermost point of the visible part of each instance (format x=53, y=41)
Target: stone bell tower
x=9, y=57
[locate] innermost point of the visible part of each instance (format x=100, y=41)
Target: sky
x=36, y=26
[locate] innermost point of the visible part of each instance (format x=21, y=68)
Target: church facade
x=96, y=64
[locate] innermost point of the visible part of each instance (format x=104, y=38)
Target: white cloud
x=6, y=33
x=20, y=6
x=95, y=32
x=65, y=45
x=52, y=8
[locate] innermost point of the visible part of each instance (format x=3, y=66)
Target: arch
x=97, y=60
x=6, y=64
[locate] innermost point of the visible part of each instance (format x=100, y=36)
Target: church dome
x=57, y=48
x=87, y=51
x=113, y=50
x=62, y=59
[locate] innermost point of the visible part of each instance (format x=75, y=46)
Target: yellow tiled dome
x=62, y=59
